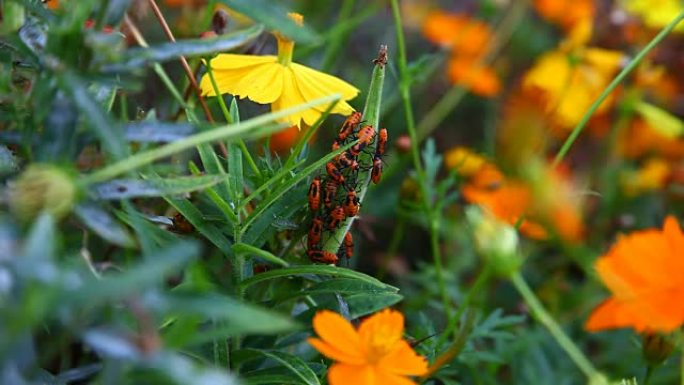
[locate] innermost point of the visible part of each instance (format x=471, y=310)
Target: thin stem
x=404, y=88
x=606, y=92
x=540, y=313
x=229, y=120
x=331, y=53
x=649, y=373
x=681, y=375
x=480, y=282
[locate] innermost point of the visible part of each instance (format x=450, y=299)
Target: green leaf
x=273, y=16
x=363, y=304
x=231, y=317
x=109, y=133
x=104, y=225
x=137, y=57
x=150, y=131
x=195, y=217
x=41, y=241
x=315, y=270
x=155, y=187
x=298, y=367
x=347, y=286
x=245, y=249
x=136, y=278
x=247, y=129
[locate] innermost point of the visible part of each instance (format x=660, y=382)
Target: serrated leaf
x=103, y=224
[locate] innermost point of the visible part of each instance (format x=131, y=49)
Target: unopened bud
x=495, y=240
x=656, y=347
x=42, y=188
x=403, y=144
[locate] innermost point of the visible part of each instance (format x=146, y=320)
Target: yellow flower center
x=285, y=45
x=382, y=342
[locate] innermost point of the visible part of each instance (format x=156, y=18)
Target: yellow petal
x=264, y=84
x=336, y=331
x=291, y=97
x=226, y=81
x=327, y=84
x=344, y=374
x=229, y=61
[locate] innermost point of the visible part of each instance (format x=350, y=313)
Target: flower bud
x=496, y=241
x=656, y=347
x=40, y=188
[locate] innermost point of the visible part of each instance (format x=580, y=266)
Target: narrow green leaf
x=315, y=270
x=247, y=129
x=298, y=367
x=137, y=57
x=245, y=249
x=104, y=225
x=194, y=216
x=364, y=304
x=136, y=278
x=274, y=17
x=155, y=187
x=150, y=131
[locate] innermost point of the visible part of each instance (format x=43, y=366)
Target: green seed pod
x=656, y=347
x=42, y=187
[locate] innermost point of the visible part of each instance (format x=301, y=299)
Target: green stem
x=405, y=92
x=681, y=375
x=606, y=92
x=649, y=374
x=331, y=53
x=540, y=313
x=229, y=120
x=480, y=281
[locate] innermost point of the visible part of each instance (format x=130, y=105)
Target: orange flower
x=565, y=13
x=480, y=80
x=645, y=273
x=468, y=40
x=375, y=354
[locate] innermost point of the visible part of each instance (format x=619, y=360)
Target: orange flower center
x=382, y=342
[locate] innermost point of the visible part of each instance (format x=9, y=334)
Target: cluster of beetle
x=329, y=209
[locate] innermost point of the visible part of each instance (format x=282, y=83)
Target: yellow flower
x=375, y=354
x=464, y=161
x=573, y=76
x=651, y=176
x=655, y=13
x=276, y=80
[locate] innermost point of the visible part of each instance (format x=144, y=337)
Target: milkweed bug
x=337, y=215
x=315, y=194
x=376, y=172
x=329, y=193
x=365, y=137
x=351, y=203
x=322, y=256
x=348, y=245
x=382, y=142
x=347, y=160
x=334, y=173
x=348, y=126
x=315, y=232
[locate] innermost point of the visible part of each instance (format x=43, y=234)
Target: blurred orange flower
x=652, y=175
x=565, y=13
x=373, y=354
x=468, y=40
x=644, y=272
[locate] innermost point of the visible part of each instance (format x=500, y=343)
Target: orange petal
x=336, y=331
x=608, y=315
x=389, y=321
x=344, y=374
x=334, y=353
x=404, y=361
